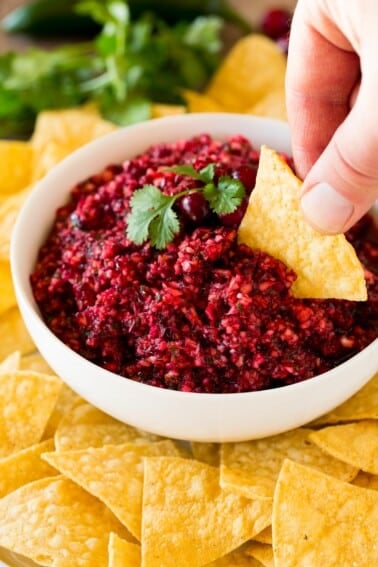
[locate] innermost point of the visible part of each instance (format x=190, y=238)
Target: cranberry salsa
x=203, y=313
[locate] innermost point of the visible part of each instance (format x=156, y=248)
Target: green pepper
x=55, y=17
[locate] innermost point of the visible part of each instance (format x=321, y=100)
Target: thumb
x=342, y=185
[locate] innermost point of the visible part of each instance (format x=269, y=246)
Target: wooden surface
x=251, y=9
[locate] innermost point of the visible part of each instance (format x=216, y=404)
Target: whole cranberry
x=276, y=22
x=247, y=175
x=234, y=219
x=193, y=208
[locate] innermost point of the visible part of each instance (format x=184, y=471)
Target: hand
x=332, y=101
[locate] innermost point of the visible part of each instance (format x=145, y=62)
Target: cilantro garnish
x=152, y=217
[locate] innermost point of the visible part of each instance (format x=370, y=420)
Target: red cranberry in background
x=276, y=23
x=193, y=208
x=247, y=175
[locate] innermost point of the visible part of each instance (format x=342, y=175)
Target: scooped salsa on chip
x=147, y=274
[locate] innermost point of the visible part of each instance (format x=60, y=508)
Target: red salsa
x=204, y=314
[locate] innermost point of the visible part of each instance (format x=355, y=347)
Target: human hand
x=332, y=103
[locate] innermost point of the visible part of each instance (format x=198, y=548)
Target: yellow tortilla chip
x=321, y=521
x=13, y=334
x=7, y=295
x=326, y=266
x=26, y=402
x=113, y=473
x=363, y=405
x=16, y=161
x=273, y=105
x=123, y=553
x=198, y=102
x=58, y=133
x=83, y=426
x=254, y=67
x=9, y=209
x=188, y=520
x=262, y=552
x=25, y=466
x=54, y=519
x=366, y=480
x=251, y=468
x=65, y=401
x=353, y=443
x=237, y=558
x=265, y=536
x=161, y=110
x=35, y=362
x=206, y=452
x=11, y=363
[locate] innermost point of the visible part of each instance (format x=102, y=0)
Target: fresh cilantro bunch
x=153, y=218
x=125, y=68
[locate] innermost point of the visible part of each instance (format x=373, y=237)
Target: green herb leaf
x=152, y=217
x=225, y=197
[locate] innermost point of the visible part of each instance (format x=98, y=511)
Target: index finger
x=322, y=72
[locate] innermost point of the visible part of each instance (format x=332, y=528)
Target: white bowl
x=181, y=415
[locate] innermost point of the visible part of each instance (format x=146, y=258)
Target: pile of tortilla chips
x=78, y=488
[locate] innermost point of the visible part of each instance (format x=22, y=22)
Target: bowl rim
x=23, y=288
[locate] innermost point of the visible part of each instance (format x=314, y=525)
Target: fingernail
x=326, y=209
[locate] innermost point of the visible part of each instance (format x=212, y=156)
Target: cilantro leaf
x=152, y=217
x=206, y=174
x=226, y=196
x=163, y=228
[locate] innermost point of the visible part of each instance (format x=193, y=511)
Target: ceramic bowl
x=180, y=415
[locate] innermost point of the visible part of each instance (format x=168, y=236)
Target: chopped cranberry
x=276, y=22
x=205, y=314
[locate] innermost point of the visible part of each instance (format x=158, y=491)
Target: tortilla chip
x=251, y=468
x=161, y=110
x=321, y=521
x=353, y=443
x=326, y=266
x=273, y=105
x=83, y=426
x=123, y=553
x=9, y=209
x=65, y=401
x=188, y=520
x=198, y=102
x=54, y=519
x=363, y=405
x=237, y=558
x=206, y=452
x=366, y=480
x=26, y=402
x=25, y=466
x=265, y=536
x=7, y=295
x=262, y=552
x=16, y=161
x=113, y=473
x=13, y=334
x=35, y=362
x=254, y=67
x=11, y=363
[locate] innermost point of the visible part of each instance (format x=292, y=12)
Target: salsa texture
x=205, y=314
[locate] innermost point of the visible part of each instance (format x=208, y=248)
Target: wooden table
x=251, y=10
